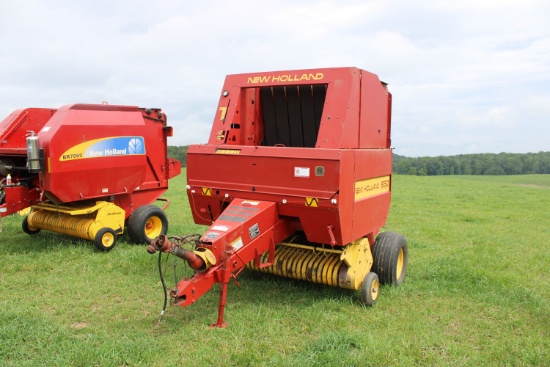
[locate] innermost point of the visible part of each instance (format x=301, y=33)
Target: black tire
x=391, y=256
x=146, y=223
x=369, y=289
x=105, y=239
x=27, y=228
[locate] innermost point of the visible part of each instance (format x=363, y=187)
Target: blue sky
x=466, y=77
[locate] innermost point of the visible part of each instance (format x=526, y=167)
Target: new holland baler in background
x=87, y=171
x=295, y=180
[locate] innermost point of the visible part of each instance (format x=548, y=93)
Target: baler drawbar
x=295, y=180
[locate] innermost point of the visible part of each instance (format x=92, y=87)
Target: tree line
x=474, y=164
x=464, y=164
x=179, y=153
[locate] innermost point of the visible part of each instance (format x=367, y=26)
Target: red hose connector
x=162, y=244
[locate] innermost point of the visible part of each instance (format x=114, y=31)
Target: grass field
x=477, y=293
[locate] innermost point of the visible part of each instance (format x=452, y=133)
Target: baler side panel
x=374, y=131
x=340, y=119
x=346, y=203
x=156, y=173
x=85, y=178
x=371, y=209
x=338, y=216
x=72, y=130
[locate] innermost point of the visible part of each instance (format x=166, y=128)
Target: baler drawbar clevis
x=199, y=260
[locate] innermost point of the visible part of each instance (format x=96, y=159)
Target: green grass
x=477, y=293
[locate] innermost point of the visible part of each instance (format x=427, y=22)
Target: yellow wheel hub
x=153, y=227
x=400, y=263
x=374, y=290
x=108, y=239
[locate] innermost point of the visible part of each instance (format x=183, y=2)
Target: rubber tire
x=139, y=220
x=105, y=239
x=390, y=258
x=26, y=228
x=369, y=289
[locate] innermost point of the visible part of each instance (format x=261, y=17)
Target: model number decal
x=106, y=147
x=370, y=187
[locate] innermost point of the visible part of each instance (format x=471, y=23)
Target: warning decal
x=312, y=202
x=237, y=244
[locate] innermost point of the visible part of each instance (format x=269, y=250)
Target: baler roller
x=317, y=264
x=63, y=223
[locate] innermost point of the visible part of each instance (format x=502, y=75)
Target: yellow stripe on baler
x=372, y=186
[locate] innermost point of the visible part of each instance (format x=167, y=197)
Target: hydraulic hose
x=156, y=246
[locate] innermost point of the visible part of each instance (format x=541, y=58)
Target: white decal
x=251, y=202
x=301, y=172
x=221, y=228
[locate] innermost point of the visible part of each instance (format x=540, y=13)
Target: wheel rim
x=400, y=262
x=153, y=227
x=108, y=239
x=374, y=289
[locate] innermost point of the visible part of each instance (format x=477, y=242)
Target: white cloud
x=466, y=77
